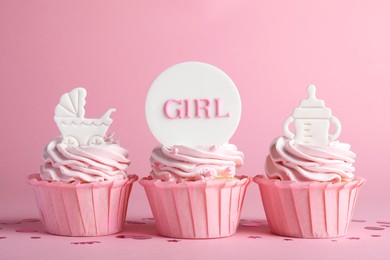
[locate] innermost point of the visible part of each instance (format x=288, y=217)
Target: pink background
x=271, y=49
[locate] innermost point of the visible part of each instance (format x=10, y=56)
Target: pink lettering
x=205, y=107
x=218, y=108
x=177, y=110
x=194, y=108
x=186, y=108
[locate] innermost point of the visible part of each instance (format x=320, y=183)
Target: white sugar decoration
x=75, y=129
x=193, y=104
x=312, y=121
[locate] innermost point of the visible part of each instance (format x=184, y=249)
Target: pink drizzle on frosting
x=292, y=161
x=191, y=164
x=90, y=163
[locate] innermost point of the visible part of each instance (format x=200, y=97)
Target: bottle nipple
x=312, y=101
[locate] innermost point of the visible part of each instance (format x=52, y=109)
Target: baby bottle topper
x=75, y=129
x=191, y=104
x=312, y=120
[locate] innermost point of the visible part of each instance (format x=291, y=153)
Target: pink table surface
x=25, y=239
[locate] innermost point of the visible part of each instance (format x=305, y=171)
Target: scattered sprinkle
x=255, y=237
x=374, y=228
x=85, y=243
x=358, y=220
x=26, y=230
x=138, y=237
x=383, y=222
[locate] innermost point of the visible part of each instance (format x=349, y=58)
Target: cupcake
x=82, y=188
x=309, y=188
x=193, y=109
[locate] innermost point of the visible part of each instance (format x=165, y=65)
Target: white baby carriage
x=75, y=129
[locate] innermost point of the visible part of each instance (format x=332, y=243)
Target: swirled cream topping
x=182, y=163
x=90, y=163
x=291, y=161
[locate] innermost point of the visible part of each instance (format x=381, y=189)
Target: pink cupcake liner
x=88, y=209
x=196, y=209
x=308, y=209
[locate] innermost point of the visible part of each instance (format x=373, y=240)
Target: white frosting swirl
x=181, y=163
x=292, y=161
x=90, y=163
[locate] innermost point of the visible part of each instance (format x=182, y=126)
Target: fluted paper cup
x=197, y=210
x=87, y=209
x=308, y=209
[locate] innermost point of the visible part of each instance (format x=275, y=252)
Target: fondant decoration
x=192, y=104
x=75, y=129
x=312, y=121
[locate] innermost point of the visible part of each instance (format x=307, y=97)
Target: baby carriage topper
x=75, y=129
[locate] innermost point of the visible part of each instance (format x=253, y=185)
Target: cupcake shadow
x=139, y=229
x=256, y=227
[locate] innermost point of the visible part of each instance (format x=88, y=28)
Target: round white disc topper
x=192, y=104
